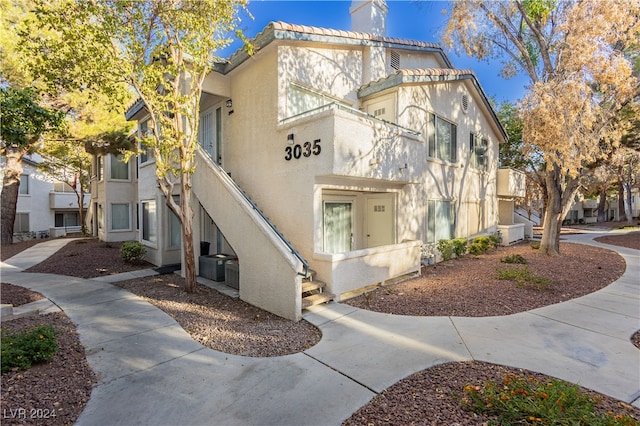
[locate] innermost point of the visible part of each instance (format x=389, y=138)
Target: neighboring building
x=336, y=151
x=46, y=206
x=585, y=211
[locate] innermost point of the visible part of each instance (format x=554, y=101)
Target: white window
x=24, y=184
x=63, y=220
x=100, y=216
x=175, y=230
x=338, y=226
x=100, y=167
x=119, y=169
x=149, y=221
x=442, y=139
x=440, y=221
x=120, y=217
x=477, y=151
x=21, y=223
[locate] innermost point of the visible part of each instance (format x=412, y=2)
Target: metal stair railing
x=233, y=184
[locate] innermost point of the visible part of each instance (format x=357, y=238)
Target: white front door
x=206, y=133
x=380, y=221
x=210, y=133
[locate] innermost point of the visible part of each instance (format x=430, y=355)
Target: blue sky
x=410, y=19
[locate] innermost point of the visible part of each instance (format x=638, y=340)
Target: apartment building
x=46, y=206
x=329, y=159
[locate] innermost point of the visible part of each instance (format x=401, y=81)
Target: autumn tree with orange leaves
x=576, y=54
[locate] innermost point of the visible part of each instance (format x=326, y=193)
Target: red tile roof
x=279, y=25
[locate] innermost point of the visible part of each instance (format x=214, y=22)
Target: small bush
x=481, y=245
x=460, y=247
x=526, y=400
x=524, y=278
x=21, y=350
x=445, y=247
x=514, y=258
x=132, y=252
x=535, y=245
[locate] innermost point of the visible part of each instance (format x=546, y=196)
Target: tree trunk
x=558, y=201
x=602, y=206
x=9, y=196
x=627, y=203
x=552, y=223
x=80, y=197
x=622, y=215
x=189, y=263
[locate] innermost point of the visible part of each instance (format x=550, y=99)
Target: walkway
x=152, y=372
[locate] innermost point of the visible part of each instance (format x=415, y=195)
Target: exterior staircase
x=313, y=291
x=275, y=268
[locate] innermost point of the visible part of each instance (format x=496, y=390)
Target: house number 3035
x=305, y=150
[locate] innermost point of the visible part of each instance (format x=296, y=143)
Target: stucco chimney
x=369, y=16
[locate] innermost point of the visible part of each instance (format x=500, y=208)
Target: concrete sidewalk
x=152, y=372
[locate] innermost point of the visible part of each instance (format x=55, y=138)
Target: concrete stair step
x=316, y=299
x=311, y=275
x=308, y=286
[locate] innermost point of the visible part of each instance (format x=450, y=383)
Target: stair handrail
x=227, y=178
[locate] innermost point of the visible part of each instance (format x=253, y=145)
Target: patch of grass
x=524, y=278
x=528, y=401
x=21, y=350
x=514, y=258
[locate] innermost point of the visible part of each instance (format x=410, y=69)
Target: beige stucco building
x=341, y=152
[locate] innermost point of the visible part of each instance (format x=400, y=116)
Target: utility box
x=212, y=266
x=232, y=274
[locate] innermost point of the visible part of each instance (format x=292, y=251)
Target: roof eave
x=271, y=33
x=135, y=109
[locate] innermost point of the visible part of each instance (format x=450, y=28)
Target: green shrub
x=21, y=350
x=445, y=247
x=535, y=245
x=514, y=258
x=132, y=252
x=526, y=400
x=460, y=246
x=481, y=245
x=524, y=278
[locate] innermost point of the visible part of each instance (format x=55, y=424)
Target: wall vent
x=395, y=60
x=465, y=103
